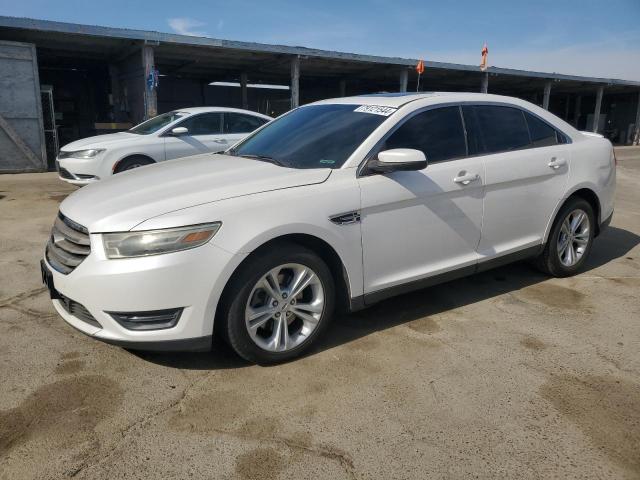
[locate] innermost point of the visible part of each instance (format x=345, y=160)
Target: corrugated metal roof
x=154, y=37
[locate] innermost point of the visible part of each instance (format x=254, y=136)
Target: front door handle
x=556, y=163
x=466, y=178
x=220, y=140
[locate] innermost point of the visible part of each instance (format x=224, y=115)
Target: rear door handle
x=556, y=163
x=466, y=179
x=220, y=140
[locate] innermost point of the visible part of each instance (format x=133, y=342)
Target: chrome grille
x=68, y=245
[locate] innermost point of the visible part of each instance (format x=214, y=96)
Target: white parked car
x=343, y=203
x=181, y=133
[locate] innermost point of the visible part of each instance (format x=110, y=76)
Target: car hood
x=99, y=141
x=123, y=201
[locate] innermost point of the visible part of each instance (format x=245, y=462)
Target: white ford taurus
x=343, y=202
x=175, y=134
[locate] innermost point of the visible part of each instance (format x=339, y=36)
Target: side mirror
x=398, y=159
x=179, y=131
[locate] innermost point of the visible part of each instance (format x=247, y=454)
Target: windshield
x=156, y=123
x=316, y=136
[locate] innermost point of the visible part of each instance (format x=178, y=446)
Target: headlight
x=81, y=153
x=155, y=242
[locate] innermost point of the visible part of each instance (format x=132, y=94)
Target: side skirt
x=363, y=301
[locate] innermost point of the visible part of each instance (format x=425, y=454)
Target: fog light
x=150, y=320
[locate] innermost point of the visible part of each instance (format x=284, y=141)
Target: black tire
x=549, y=260
x=230, y=323
x=132, y=162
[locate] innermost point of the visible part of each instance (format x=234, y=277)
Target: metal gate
x=49, y=123
x=22, y=145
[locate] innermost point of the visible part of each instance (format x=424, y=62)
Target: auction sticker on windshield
x=376, y=110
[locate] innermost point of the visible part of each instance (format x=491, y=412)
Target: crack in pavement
x=6, y=302
x=322, y=451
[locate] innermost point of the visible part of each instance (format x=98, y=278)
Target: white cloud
x=187, y=26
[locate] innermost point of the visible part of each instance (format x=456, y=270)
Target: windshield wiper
x=263, y=158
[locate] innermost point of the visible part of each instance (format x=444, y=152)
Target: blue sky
x=581, y=37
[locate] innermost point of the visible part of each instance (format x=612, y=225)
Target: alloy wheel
x=284, y=307
x=574, y=237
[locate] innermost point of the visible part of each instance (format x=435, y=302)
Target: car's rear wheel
x=277, y=304
x=132, y=162
x=570, y=239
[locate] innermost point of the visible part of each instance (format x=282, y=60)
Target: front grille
x=68, y=245
x=64, y=173
x=77, y=310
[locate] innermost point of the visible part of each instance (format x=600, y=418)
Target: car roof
x=397, y=100
x=193, y=110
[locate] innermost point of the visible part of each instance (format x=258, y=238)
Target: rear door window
x=438, y=133
x=502, y=128
x=542, y=134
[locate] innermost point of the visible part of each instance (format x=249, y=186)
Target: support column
x=150, y=93
x=484, y=83
x=567, y=103
x=116, y=101
x=404, y=80
x=343, y=87
x=596, y=112
x=576, y=111
x=243, y=88
x=547, y=95
x=295, y=82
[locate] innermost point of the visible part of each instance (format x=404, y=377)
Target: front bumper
x=192, y=279
x=77, y=171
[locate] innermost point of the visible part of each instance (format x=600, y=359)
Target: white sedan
x=184, y=132
x=340, y=203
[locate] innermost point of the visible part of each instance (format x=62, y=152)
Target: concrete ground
x=507, y=374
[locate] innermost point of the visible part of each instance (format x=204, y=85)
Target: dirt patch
x=425, y=325
x=260, y=463
x=60, y=413
x=533, y=343
x=554, y=296
x=70, y=367
x=210, y=412
x=58, y=198
x=606, y=409
x=70, y=355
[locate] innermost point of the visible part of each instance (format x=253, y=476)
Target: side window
x=438, y=133
x=204, y=124
x=503, y=128
x=241, y=123
x=542, y=134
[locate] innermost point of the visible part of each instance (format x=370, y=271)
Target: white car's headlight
x=90, y=153
x=155, y=242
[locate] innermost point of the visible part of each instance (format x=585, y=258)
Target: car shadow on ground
x=613, y=244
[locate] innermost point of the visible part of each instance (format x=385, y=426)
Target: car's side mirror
x=179, y=131
x=398, y=159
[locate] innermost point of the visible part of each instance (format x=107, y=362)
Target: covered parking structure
x=101, y=79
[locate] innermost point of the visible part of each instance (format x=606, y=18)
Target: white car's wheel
x=570, y=239
x=278, y=304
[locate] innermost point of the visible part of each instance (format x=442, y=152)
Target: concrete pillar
x=576, y=111
x=567, y=102
x=343, y=87
x=596, y=112
x=484, y=83
x=243, y=88
x=635, y=139
x=404, y=80
x=547, y=95
x=295, y=81
x=150, y=93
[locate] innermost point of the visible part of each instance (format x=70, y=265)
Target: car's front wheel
x=277, y=304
